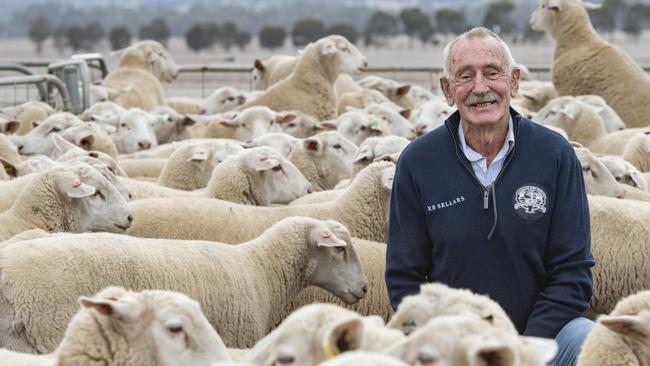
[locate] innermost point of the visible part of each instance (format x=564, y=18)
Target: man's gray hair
x=478, y=32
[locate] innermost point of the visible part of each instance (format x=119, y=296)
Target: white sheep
x=184, y=105
x=280, y=141
x=437, y=299
x=301, y=126
x=396, y=120
x=29, y=114
x=637, y=151
x=362, y=208
x=243, y=306
x=90, y=136
x=104, y=113
x=359, y=100
x=620, y=338
x=38, y=142
x=248, y=124
x=357, y=126
x=580, y=54
x=134, y=131
x=470, y=340
x=624, y=172
x=346, y=84
x=9, y=156
x=169, y=125
x=99, y=94
x=269, y=72
x=74, y=199
x=362, y=358
x=191, y=165
x=324, y=159
x=398, y=93
x=141, y=67
x=222, y=100
x=431, y=115
x=598, y=179
x=534, y=95
x=120, y=327
x=612, y=120
x=309, y=88
x=422, y=95
x=143, y=168
x=316, y=332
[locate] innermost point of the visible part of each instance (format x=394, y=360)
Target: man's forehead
x=478, y=52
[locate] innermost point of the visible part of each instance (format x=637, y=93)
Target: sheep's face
x=84, y=135
x=598, y=179
x=548, y=16
x=357, y=126
x=624, y=172
x=337, y=268
x=280, y=141
x=222, y=100
x=167, y=124
x=104, y=158
x=422, y=95
x=333, y=153
x=432, y=115
x=161, y=63
x=301, y=126
x=134, y=131
x=38, y=141
x=95, y=204
x=378, y=148
x=349, y=59
x=253, y=122
x=396, y=122
x=612, y=120
x=107, y=114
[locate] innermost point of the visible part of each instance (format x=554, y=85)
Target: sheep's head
x=259, y=75
x=348, y=58
x=38, y=141
x=154, y=57
x=551, y=15
x=598, y=179
x=253, y=122
x=134, y=131
x=222, y=100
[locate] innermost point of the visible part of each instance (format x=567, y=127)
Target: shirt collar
x=474, y=156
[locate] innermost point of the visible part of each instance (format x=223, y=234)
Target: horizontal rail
x=40, y=79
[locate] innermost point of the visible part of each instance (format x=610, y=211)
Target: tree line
x=378, y=29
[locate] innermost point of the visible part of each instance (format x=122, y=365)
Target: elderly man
x=495, y=203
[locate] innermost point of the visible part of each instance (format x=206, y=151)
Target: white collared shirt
x=486, y=174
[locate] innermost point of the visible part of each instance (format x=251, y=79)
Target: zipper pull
x=486, y=194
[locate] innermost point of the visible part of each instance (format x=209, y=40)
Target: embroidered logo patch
x=530, y=202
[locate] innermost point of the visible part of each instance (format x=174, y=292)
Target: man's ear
x=516, y=74
x=444, y=86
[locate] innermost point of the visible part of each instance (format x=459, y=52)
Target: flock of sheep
x=262, y=215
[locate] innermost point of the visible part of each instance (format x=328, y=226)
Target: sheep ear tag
x=75, y=188
x=263, y=162
x=327, y=238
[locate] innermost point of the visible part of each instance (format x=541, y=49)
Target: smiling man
x=495, y=203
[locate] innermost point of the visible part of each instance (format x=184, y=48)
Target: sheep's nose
x=130, y=218
x=365, y=64
x=365, y=289
x=20, y=147
x=241, y=99
x=144, y=145
x=130, y=198
x=309, y=190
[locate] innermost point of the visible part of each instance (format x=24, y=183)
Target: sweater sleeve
x=408, y=253
x=568, y=259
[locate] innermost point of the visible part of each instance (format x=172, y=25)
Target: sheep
x=431, y=115
x=399, y=94
x=69, y=151
x=317, y=332
x=90, y=136
x=362, y=208
x=143, y=168
x=120, y=327
x=190, y=167
x=359, y=100
x=169, y=125
x=612, y=120
x=280, y=141
x=8, y=124
x=242, y=305
x=525, y=74
x=580, y=53
x=259, y=176
x=104, y=113
x=222, y=100
x=637, y=151
x=309, y=88
x=29, y=114
x=324, y=159
x=345, y=84
x=357, y=126
x=248, y=124
x=396, y=121
x=362, y=358
x=99, y=94
x=271, y=71
x=598, y=179
x=436, y=299
x=632, y=193
x=620, y=338
x=75, y=199
x=624, y=172
x=9, y=156
x=470, y=340
x=134, y=131
x=141, y=68
x=38, y=142
x=534, y=95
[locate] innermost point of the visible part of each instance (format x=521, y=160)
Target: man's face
x=479, y=82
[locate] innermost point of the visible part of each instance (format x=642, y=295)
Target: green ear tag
x=374, y=124
x=121, y=91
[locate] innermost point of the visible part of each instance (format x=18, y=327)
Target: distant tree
x=39, y=30
x=242, y=39
x=93, y=33
x=307, y=30
x=158, y=30
x=227, y=34
x=119, y=37
x=76, y=38
x=450, y=21
x=196, y=37
x=416, y=23
x=498, y=16
x=346, y=30
x=380, y=24
x=634, y=20
x=272, y=36
x=607, y=18
x=60, y=38
x=212, y=33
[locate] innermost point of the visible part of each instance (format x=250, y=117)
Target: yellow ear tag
x=330, y=350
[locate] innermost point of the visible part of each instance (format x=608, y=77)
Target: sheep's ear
x=263, y=163
x=63, y=145
x=11, y=127
x=259, y=65
x=406, y=113
x=553, y=5
x=283, y=118
x=187, y=121
x=232, y=123
x=637, y=179
x=344, y=336
x=328, y=125
x=326, y=238
x=86, y=141
x=545, y=348
x=312, y=145
x=388, y=157
x=628, y=325
x=199, y=153
x=328, y=47
x=490, y=352
x=34, y=124
x=403, y=89
x=569, y=111
x=151, y=56
x=591, y=6
x=75, y=188
x=364, y=154
x=118, y=308
x=576, y=144
x=387, y=177
x=9, y=168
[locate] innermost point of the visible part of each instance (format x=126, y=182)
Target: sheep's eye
x=277, y=168
x=285, y=360
x=175, y=328
x=169, y=119
x=123, y=124
x=618, y=179
x=489, y=318
x=291, y=125
x=363, y=128
x=99, y=194
x=409, y=324
x=337, y=146
x=426, y=359
x=230, y=99
x=243, y=125
x=55, y=129
x=271, y=122
x=340, y=249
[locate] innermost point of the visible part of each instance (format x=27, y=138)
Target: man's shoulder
x=542, y=139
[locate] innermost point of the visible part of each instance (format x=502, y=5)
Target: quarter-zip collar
x=452, y=124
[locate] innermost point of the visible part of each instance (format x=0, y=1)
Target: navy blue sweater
x=530, y=252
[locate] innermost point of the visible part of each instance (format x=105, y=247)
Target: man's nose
x=480, y=84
